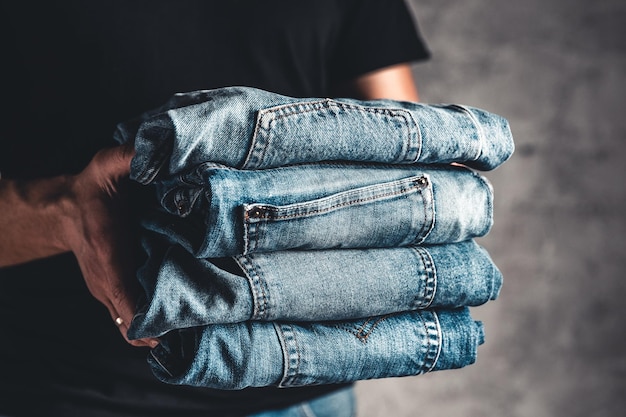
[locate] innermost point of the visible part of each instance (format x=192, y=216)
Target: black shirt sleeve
x=376, y=34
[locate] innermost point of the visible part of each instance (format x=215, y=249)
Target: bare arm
x=84, y=214
x=33, y=218
x=395, y=82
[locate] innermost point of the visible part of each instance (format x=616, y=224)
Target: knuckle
x=117, y=292
x=136, y=343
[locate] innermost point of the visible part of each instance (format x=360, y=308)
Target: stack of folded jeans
x=309, y=241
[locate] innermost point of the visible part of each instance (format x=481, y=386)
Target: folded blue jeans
x=216, y=211
x=257, y=353
x=262, y=197
x=247, y=128
x=184, y=292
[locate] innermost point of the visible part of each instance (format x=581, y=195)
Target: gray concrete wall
x=555, y=342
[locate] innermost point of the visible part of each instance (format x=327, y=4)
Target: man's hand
x=85, y=214
x=99, y=234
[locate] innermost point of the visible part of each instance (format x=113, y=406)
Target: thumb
x=111, y=165
x=120, y=158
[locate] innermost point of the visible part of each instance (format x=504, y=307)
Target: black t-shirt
x=71, y=71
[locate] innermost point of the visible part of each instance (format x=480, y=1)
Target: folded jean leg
x=215, y=211
x=249, y=128
x=354, y=283
x=184, y=292
x=257, y=354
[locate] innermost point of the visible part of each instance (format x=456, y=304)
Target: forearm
x=34, y=215
x=85, y=214
x=395, y=82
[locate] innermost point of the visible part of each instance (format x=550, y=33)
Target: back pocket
x=390, y=214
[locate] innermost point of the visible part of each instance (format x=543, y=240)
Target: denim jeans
x=215, y=211
x=289, y=354
x=340, y=403
x=312, y=241
x=308, y=285
x=247, y=128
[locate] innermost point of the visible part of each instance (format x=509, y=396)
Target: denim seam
x=397, y=186
x=160, y=364
x=430, y=285
x=422, y=366
x=199, y=169
x=250, y=240
x=262, y=306
x=428, y=199
x=265, y=311
x=477, y=127
x=292, y=357
x=273, y=113
x=418, y=133
x=490, y=198
x=248, y=162
x=259, y=148
x=437, y=330
x=284, y=349
x=257, y=287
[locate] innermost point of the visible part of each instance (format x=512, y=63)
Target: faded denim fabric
x=257, y=354
x=247, y=128
x=185, y=292
x=312, y=241
x=340, y=403
x=218, y=211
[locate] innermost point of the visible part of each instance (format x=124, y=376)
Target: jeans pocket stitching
x=429, y=219
x=340, y=200
x=267, y=118
x=260, y=142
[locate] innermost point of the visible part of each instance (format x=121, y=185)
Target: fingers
x=122, y=325
x=123, y=155
x=110, y=290
x=123, y=311
x=107, y=169
x=118, y=284
x=100, y=236
x=106, y=284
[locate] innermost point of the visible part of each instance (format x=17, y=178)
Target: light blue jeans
x=303, y=241
x=340, y=403
x=247, y=128
x=216, y=211
x=290, y=354
x=184, y=291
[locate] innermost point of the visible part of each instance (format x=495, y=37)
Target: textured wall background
x=556, y=336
